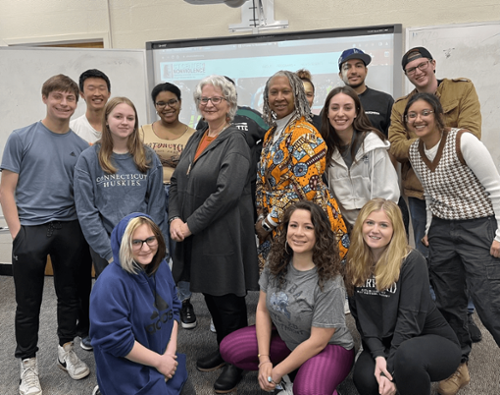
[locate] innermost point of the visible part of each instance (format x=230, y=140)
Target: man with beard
x=377, y=104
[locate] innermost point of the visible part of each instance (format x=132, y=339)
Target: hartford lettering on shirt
x=121, y=180
x=370, y=288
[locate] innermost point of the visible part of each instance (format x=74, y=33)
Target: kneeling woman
x=134, y=315
x=300, y=320
x=407, y=343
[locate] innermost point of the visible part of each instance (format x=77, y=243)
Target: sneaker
x=475, y=333
x=96, y=391
x=212, y=326
x=69, y=362
x=85, y=343
x=29, y=383
x=346, y=307
x=457, y=380
x=285, y=387
x=188, y=318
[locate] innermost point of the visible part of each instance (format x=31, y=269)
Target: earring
x=286, y=246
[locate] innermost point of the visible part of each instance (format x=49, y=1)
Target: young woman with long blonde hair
x=406, y=341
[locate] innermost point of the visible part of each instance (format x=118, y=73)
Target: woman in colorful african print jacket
x=292, y=163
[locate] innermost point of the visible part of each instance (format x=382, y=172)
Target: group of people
x=320, y=192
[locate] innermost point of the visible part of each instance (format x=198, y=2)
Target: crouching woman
x=407, y=343
x=300, y=325
x=134, y=315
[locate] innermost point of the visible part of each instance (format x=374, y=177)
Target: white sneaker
x=69, y=362
x=346, y=307
x=29, y=383
x=96, y=391
x=286, y=386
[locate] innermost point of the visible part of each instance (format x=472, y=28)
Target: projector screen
x=251, y=60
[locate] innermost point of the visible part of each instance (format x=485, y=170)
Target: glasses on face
x=215, y=100
x=422, y=66
x=150, y=241
x=413, y=115
x=170, y=103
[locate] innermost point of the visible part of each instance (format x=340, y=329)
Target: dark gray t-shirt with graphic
x=300, y=304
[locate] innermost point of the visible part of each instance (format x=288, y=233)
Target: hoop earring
x=286, y=245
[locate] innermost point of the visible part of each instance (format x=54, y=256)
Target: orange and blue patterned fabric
x=290, y=170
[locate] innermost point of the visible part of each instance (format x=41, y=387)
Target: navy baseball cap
x=354, y=53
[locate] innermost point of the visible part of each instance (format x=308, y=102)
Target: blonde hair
x=359, y=260
x=134, y=143
x=126, y=253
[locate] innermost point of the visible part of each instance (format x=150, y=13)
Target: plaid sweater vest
x=455, y=191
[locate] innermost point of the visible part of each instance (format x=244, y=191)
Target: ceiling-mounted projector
x=230, y=3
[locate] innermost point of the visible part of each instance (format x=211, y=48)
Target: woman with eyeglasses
x=211, y=219
x=134, y=314
x=168, y=137
x=116, y=176
x=292, y=162
x=462, y=196
x=406, y=341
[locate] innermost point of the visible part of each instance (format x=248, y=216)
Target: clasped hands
x=168, y=365
x=383, y=377
x=266, y=371
x=179, y=230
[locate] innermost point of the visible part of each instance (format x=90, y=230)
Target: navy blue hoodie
x=127, y=307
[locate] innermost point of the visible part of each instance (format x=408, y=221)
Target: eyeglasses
x=422, y=66
x=215, y=100
x=414, y=115
x=150, y=241
x=170, y=103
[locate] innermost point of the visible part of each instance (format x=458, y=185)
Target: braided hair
x=302, y=108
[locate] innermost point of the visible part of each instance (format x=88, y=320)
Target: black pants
x=418, y=361
x=65, y=244
x=99, y=263
x=229, y=313
x=460, y=264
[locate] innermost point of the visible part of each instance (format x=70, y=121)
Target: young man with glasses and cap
x=461, y=107
x=353, y=71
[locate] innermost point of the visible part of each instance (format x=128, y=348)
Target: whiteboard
x=23, y=71
x=471, y=51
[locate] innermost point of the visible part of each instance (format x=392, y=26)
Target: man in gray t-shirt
x=36, y=194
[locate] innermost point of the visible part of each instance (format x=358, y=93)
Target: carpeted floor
x=484, y=363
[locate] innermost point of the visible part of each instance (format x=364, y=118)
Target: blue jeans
x=183, y=291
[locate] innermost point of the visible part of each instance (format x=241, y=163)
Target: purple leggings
x=319, y=375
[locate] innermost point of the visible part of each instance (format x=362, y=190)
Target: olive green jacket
x=461, y=110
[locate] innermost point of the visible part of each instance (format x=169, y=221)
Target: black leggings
x=418, y=361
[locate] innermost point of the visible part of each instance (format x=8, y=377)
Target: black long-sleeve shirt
x=385, y=319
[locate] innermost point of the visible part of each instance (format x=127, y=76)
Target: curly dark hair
x=325, y=253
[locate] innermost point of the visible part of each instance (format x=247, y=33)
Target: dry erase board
x=23, y=70
x=471, y=51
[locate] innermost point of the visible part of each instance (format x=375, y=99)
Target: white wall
x=130, y=23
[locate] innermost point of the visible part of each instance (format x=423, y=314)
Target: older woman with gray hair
x=292, y=163
x=211, y=218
